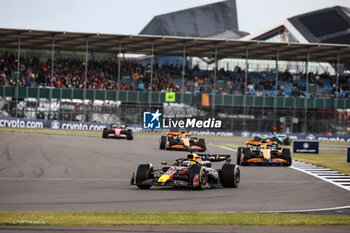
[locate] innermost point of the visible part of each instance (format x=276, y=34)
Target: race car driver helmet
x=263, y=146
x=197, y=158
x=194, y=157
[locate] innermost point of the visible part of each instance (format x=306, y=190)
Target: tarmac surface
x=76, y=173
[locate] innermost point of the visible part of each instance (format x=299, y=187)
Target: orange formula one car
x=181, y=141
x=263, y=153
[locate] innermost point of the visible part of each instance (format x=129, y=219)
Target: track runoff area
x=88, y=173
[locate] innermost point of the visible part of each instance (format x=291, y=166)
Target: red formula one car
x=195, y=171
x=182, y=141
x=117, y=131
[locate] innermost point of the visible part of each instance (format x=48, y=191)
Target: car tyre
x=105, y=133
x=287, y=141
x=203, y=177
x=171, y=142
x=144, y=172
x=230, y=176
x=201, y=143
x=129, y=135
x=286, y=155
x=162, y=142
x=238, y=155
x=246, y=155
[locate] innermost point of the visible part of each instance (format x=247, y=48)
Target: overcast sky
x=130, y=16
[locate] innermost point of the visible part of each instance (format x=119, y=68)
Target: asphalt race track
x=67, y=173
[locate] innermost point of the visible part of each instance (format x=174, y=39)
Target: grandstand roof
x=166, y=45
x=335, y=27
x=228, y=34
x=196, y=22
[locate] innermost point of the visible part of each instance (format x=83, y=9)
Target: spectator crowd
x=103, y=75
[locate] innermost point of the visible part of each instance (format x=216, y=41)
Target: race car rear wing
x=177, y=133
x=261, y=143
x=214, y=157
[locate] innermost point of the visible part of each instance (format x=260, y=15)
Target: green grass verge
x=166, y=218
x=62, y=132
x=334, y=143
x=336, y=163
x=98, y=134
x=50, y=131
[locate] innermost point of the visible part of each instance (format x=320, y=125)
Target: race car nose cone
x=163, y=178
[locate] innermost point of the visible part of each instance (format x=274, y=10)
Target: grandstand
x=92, y=85
x=134, y=76
x=102, y=75
x=99, y=82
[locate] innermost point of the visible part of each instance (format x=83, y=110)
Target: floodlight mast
x=52, y=57
x=337, y=86
x=18, y=63
x=52, y=67
x=86, y=72
x=18, y=53
x=276, y=87
x=119, y=54
x=86, y=63
x=245, y=87
x=215, y=70
x=151, y=78
x=307, y=87
x=183, y=73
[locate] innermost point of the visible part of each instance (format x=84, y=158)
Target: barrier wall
x=73, y=125
x=159, y=97
x=71, y=93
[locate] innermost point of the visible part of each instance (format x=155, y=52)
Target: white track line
x=320, y=169
x=307, y=167
x=334, y=176
x=62, y=179
x=324, y=172
x=223, y=147
x=310, y=210
x=345, y=179
x=280, y=181
x=321, y=177
x=292, y=211
x=312, y=170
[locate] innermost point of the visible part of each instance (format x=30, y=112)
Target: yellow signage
x=170, y=97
